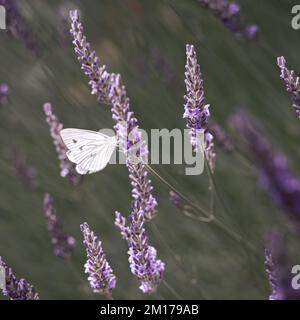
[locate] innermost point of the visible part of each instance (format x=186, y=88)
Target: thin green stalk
x=232, y=234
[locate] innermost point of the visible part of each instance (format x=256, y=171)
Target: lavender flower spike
x=176, y=200
x=273, y=261
x=109, y=88
x=196, y=111
x=278, y=268
x=17, y=26
x=63, y=245
x=292, y=83
x=90, y=63
x=4, y=90
x=67, y=169
x=131, y=144
x=221, y=138
x=26, y=174
x=101, y=276
x=142, y=257
x=273, y=168
x=17, y=289
x=229, y=13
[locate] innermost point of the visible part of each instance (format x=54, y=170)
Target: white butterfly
x=89, y=150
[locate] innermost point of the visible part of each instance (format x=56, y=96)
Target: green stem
x=232, y=234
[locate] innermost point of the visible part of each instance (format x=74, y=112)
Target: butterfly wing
x=89, y=150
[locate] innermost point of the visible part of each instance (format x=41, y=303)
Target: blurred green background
x=145, y=42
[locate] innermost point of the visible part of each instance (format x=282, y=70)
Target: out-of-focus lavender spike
x=278, y=269
x=162, y=66
x=274, y=172
x=63, y=245
x=67, y=169
x=142, y=257
x=196, y=111
x=4, y=90
x=176, y=200
x=26, y=174
x=17, y=289
x=292, y=83
x=63, y=28
x=229, y=13
x=17, y=27
x=221, y=138
x=101, y=276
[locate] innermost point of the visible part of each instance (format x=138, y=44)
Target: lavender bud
x=67, y=169
x=17, y=289
x=142, y=257
x=196, y=111
x=278, y=268
x=176, y=200
x=4, y=90
x=251, y=31
x=292, y=83
x=101, y=276
x=229, y=14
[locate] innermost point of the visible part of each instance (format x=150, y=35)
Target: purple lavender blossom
x=63, y=245
x=196, y=111
x=67, y=169
x=142, y=257
x=101, y=276
x=129, y=136
x=221, y=138
x=278, y=268
x=17, y=27
x=176, y=200
x=292, y=83
x=26, y=174
x=274, y=172
x=229, y=13
x=17, y=289
x=90, y=63
x=273, y=262
x=4, y=90
x=109, y=88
